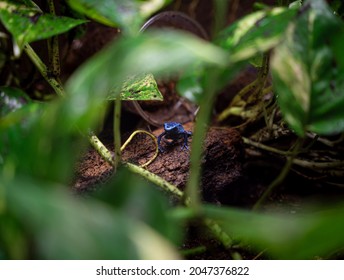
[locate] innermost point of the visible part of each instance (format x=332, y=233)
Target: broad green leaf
x=37, y=144
x=128, y=15
x=11, y=99
x=28, y=24
x=141, y=201
x=255, y=33
x=156, y=52
x=143, y=87
x=303, y=236
x=190, y=86
x=308, y=74
x=66, y=227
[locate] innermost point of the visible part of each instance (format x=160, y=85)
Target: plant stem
x=152, y=137
x=53, y=48
x=281, y=176
x=101, y=149
x=214, y=228
x=42, y=68
x=221, y=10
x=206, y=105
x=265, y=147
x=217, y=231
x=117, y=132
x=155, y=179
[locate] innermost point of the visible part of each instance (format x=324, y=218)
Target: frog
x=174, y=131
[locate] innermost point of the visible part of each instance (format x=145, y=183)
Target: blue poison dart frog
x=174, y=131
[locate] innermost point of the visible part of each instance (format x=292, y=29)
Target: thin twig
x=280, y=178
x=157, y=180
x=53, y=47
x=265, y=147
x=117, y=132
x=42, y=68
x=101, y=149
x=151, y=136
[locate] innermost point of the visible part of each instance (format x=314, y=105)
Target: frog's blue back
x=171, y=125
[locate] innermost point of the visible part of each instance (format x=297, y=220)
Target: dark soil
x=222, y=163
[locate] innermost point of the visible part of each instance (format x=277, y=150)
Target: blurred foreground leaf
x=11, y=99
x=304, y=236
x=141, y=201
x=128, y=15
x=308, y=72
x=65, y=227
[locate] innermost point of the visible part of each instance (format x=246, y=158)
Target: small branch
x=265, y=147
x=217, y=231
x=53, y=47
x=194, y=251
x=101, y=149
x=318, y=165
x=280, y=178
x=237, y=99
x=206, y=105
x=42, y=68
x=155, y=179
x=117, y=132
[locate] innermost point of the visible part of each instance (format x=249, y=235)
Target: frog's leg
x=161, y=149
x=185, y=144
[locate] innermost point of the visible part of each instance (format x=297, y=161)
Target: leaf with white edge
x=255, y=33
x=308, y=74
x=12, y=99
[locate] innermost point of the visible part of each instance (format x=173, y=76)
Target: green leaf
x=28, y=24
x=142, y=87
x=128, y=15
x=303, y=236
x=308, y=74
x=64, y=227
x=255, y=33
x=37, y=144
x=141, y=200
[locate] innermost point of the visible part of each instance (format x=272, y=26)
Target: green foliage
x=65, y=227
x=284, y=236
x=128, y=15
x=27, y=23
x=308, y=72
x=129, y=218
